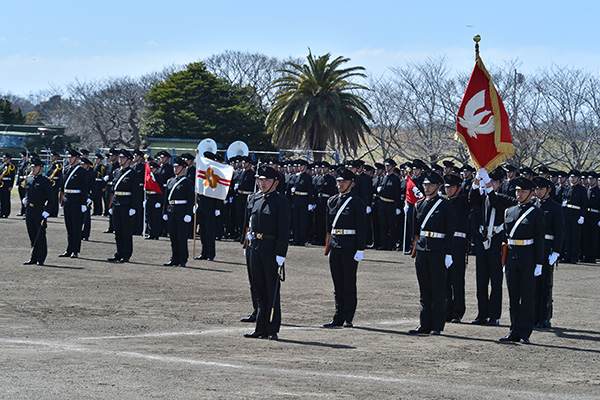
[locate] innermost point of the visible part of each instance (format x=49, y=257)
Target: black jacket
x=353, y=217
x=443, y=220
x=270, y=216
x=531, y=227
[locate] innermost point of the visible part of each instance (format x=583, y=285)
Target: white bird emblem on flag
x=472, y=122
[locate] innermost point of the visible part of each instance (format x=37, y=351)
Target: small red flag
x=482, y=122
x=150, y=182
x=413, y=194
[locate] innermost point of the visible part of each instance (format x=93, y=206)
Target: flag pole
x=195, y=206
x=145, y=197
x=405, y=218
x=476, y=39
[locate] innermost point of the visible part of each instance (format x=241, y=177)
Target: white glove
x=484, y=175
x=157, y=205
x=552, y=258
x=448, y=260
x=131, y=212
x=89, y=202
x=231, y=199
x=110, y=211
x=244, y=252
x=105, y=178
x=195, y=208
x=538, y=270
x=564, y=203
x=144, y=203
x=580, y=221
x=225, y=201
x=359, y=255
x=379, y=188
x=280, y=260
x=311, y=207
x=165, y=217
x=62, y=208
x=406, y=209
x=83, y=208
x=217, y=213
x=187, y=218
x=398, y=211
x=598, y=223
x=24, y=201
x=45, y=214
x=369, y=210
x=489, y=190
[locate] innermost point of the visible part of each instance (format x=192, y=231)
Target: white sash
x=71, y=175
x=120, y=179
x=174, y=186
x=430, y=213
x=521, y=218
x=340, y=211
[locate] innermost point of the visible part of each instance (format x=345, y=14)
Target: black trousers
x=543, y=292
x=387, y=223
x=87, y=224
x=264, y=276
x=431, y=275
x=22, y=194
x=343, y=272
x=252, y=291
x=521, y=292
x=376, y=226
x=589, y=238
x=456, y=280
x=73, y=222
x=300, y=219
x=154, y=216
x=488, y=273
x=207, y=221
x=54, y=210
x=5, y=200
x=178, y=234
x=96, y=196
x=241, y=200
x=33, y=221
x=320, y=216
x=572, y=239
x=123, y=225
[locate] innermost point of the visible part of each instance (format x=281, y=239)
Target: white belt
x=6, y=179
x=178, y=202
x=151, y=192
x=434, y=235
x=573, y=206
x=549, y=237
x=123, y=193
x=460, y=234
x=524, y=242
x=324, y=195
x=244, y=192
x=99, y=179
x=594, y=210
x=297, y=193
x=495, y=230
x=72, y=191
x=387, y=200
x=343, y=232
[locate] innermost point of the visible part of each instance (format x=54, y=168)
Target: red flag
x=482, y=122
x=150, y=182
x=413, y=194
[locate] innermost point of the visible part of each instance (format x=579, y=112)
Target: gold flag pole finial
x=476, y=39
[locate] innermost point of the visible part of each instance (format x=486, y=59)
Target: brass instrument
x=25, y=180
x=100, y=173
x=7, y=170
x=58, y=168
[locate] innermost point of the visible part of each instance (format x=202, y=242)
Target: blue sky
x=44, y=44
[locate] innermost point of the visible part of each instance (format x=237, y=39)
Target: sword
x=280, y=278
x=36, y=238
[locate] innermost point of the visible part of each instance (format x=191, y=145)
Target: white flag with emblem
x=212, y=178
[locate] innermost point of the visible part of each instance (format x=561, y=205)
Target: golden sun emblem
x=212, y=179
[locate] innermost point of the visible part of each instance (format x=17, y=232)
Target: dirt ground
x=88, y=329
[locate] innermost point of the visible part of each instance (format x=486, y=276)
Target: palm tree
x=316, y=104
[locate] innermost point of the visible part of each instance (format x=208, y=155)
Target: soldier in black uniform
x=389, y=205
x=139, y=167
x=591, y=225
x=302, y=196
x=7, y=171
x=347, y=225
x=87, y=164
x=207, y=213
x=268, y=235
x=154, y=206
x=524, y=232
x=554, y=236
x=98, y=184
x=22, y=171
x=488, y=243
x=325, y=187
x=125, y=193
x=39, y=198
x=55, y=174
x=165, y=172
x=74, y=193
x=456, y=273
x=378, y=176
x=575, y=207
x=111, y=168
x=508, y=186
x=178, y=201
x=435, y=223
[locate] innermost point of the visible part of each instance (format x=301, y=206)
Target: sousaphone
x=237, y=148
x=207, y=145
